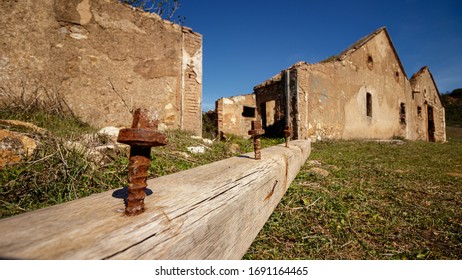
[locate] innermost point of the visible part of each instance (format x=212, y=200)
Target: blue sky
x=248, y=42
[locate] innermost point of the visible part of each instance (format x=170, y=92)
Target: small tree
x=164, y=8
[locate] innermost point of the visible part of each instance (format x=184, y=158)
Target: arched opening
x=370, y=62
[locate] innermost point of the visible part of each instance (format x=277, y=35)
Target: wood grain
x=210, y=212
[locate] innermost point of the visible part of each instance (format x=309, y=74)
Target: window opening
x=402, y=114
x=419, y=111
x=248, y=112
x=368, y=104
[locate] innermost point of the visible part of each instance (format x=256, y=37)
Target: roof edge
x=419, y=73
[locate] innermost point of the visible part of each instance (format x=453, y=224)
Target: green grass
x=380, y=201
x=50, y=113
x=57, y=173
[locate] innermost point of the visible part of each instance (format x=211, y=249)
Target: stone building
x=102, y=59
x=235, y=114
x=362, y=93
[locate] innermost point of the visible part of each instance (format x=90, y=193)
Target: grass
x=57, y=172
x=380, y=201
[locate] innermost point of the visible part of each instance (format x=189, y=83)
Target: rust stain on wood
x=272, y=190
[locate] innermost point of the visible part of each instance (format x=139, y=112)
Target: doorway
x=431, y=124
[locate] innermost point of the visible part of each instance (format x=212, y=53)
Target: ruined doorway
x=431, y=124
x=263, y=114
x=271, y=125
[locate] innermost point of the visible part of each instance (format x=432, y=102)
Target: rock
x=99, y=155
x=15, y=147
x=314, y=163
x=206, y=141
x=319, y=171
x=110, y=131
x=197, y=149
x=162, y=127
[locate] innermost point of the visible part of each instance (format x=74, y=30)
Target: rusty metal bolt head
x=257, y=129
x=143, y=131
x=141, y=137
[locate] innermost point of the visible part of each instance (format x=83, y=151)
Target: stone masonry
x=235, y=114
x=103, y=59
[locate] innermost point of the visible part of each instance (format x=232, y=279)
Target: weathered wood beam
x=210, y=212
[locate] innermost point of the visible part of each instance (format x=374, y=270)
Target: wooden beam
x=210, y=212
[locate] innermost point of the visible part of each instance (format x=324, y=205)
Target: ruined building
x=362, y=93
x=102, y=59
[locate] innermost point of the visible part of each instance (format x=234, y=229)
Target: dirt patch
x=455, y=174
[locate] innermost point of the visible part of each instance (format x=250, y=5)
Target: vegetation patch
x=379, y=201
x=453, y=107
x=58, y=171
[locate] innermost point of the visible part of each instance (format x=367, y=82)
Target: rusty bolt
x=287, y=133
x=141, y=137
x=256, y=132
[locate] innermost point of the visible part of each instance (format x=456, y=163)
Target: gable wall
x=337, y=94
x=426, y=94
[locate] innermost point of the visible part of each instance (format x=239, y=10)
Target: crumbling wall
x=361, y=93
x=322, y=107
x=235, y=115
x=103, y=58
x=192, y=81
x=337, y=94
x=272, y=105
x=427, y=108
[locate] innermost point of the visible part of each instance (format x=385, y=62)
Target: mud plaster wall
x=338, y=109
x=426, y=94
x=230, y=115
x=103, y=58
x=329, y=99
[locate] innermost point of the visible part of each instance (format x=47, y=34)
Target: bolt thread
x=257, y=147
x=137, y=179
